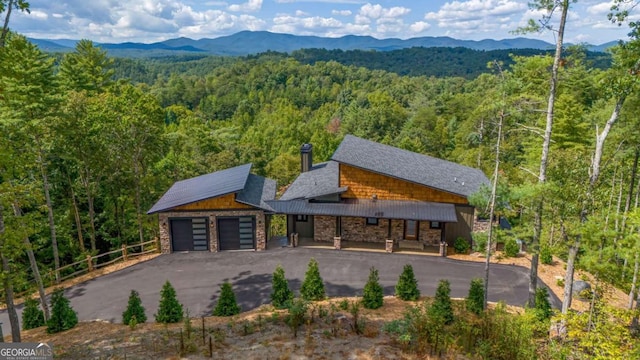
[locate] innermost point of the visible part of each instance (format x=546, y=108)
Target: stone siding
x=363, y=184
x=324, y=228
x=165, y=232
x=356, y=229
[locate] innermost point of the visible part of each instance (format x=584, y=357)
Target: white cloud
x=301, y=13
x=377, y=11
x=473, y=13
x=600, y=9
x=304, y=25
x=341, y=12
x=419, y=27
x=249, y=6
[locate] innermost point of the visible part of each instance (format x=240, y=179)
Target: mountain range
x=253, y=42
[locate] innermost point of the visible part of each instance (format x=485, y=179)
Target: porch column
x=337, y=239
x=389, y=241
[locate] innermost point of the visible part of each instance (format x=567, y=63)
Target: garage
x=189, y=234
x=236, y=233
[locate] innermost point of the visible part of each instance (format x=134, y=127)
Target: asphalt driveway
x=197, y=278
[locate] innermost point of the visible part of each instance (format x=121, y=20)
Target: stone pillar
x=389, y=245
x=337, y=242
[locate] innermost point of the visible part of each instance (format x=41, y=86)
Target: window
x=411, y=229
x=435, y=225
x=372, y=221
x=302, y=218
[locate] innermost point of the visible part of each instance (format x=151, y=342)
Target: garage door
x=189, y=234
x=236, y=233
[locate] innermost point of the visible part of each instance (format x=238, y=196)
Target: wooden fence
x=91, y=262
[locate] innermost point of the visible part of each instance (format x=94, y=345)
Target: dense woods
x=88, y=143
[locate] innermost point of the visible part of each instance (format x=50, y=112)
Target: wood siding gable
x=224, y=202
x=364, y=184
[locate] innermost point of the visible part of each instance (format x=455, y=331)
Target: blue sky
x=157, y=20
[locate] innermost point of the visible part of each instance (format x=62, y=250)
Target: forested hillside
x=417, y=61
x=84, y=155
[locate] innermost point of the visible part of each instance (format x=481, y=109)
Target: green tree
x=134, y=310
x=281, y=295
x=475, y=299
x=169, y=309
x=372, y=295
x=86, y=69
x=32, y=316
x=29, y=107
x=407, y=286
x=63, y=317
x=312, y=288
x=441, y=306
x=543, y=306
x=227, y=305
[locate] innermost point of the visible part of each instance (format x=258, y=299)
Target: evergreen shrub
x=312, y=288
x=227, y=305
x=475, y=299
x=373, y=296
x=32, y=316
x=441, y=307
x=169, y=310
x=135, y=310
x=407, y=286
x=63, y=317
x=281, y=295
x=461, y=245
x=511, y=248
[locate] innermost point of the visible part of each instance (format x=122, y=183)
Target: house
x=370, y=192
x=224, y=210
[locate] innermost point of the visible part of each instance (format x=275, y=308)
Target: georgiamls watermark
x=26, y=351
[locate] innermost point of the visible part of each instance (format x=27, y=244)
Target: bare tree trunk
x=492, y=206
x=542, y=177
x=633, y=282
x=136, y=168
x=52, y=225
x=593, y=179
x=76, y=215
x=480, y=135
x=86, y=182
x=34, y=268
x=5, y=27
x=7, y=283
x=634, y=174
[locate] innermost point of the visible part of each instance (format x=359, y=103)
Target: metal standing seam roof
x=406, y=165
x=223, y=182
x=383, y=209
x=321, y=180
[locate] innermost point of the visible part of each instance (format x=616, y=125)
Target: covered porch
x=388, y=225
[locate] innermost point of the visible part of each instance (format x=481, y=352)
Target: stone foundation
x=165, y=232
x=356, y=230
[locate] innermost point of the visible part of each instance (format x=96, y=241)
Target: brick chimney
x=306, y=158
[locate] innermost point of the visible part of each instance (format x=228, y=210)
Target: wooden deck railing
x=91, y=262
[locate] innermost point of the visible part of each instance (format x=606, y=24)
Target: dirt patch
x=258, y=334
x=550, y=274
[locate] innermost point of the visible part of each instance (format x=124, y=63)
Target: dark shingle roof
x=384, y=209
x=252, y=189
x=321, y=180
x=257, y=190
x=410, y=166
